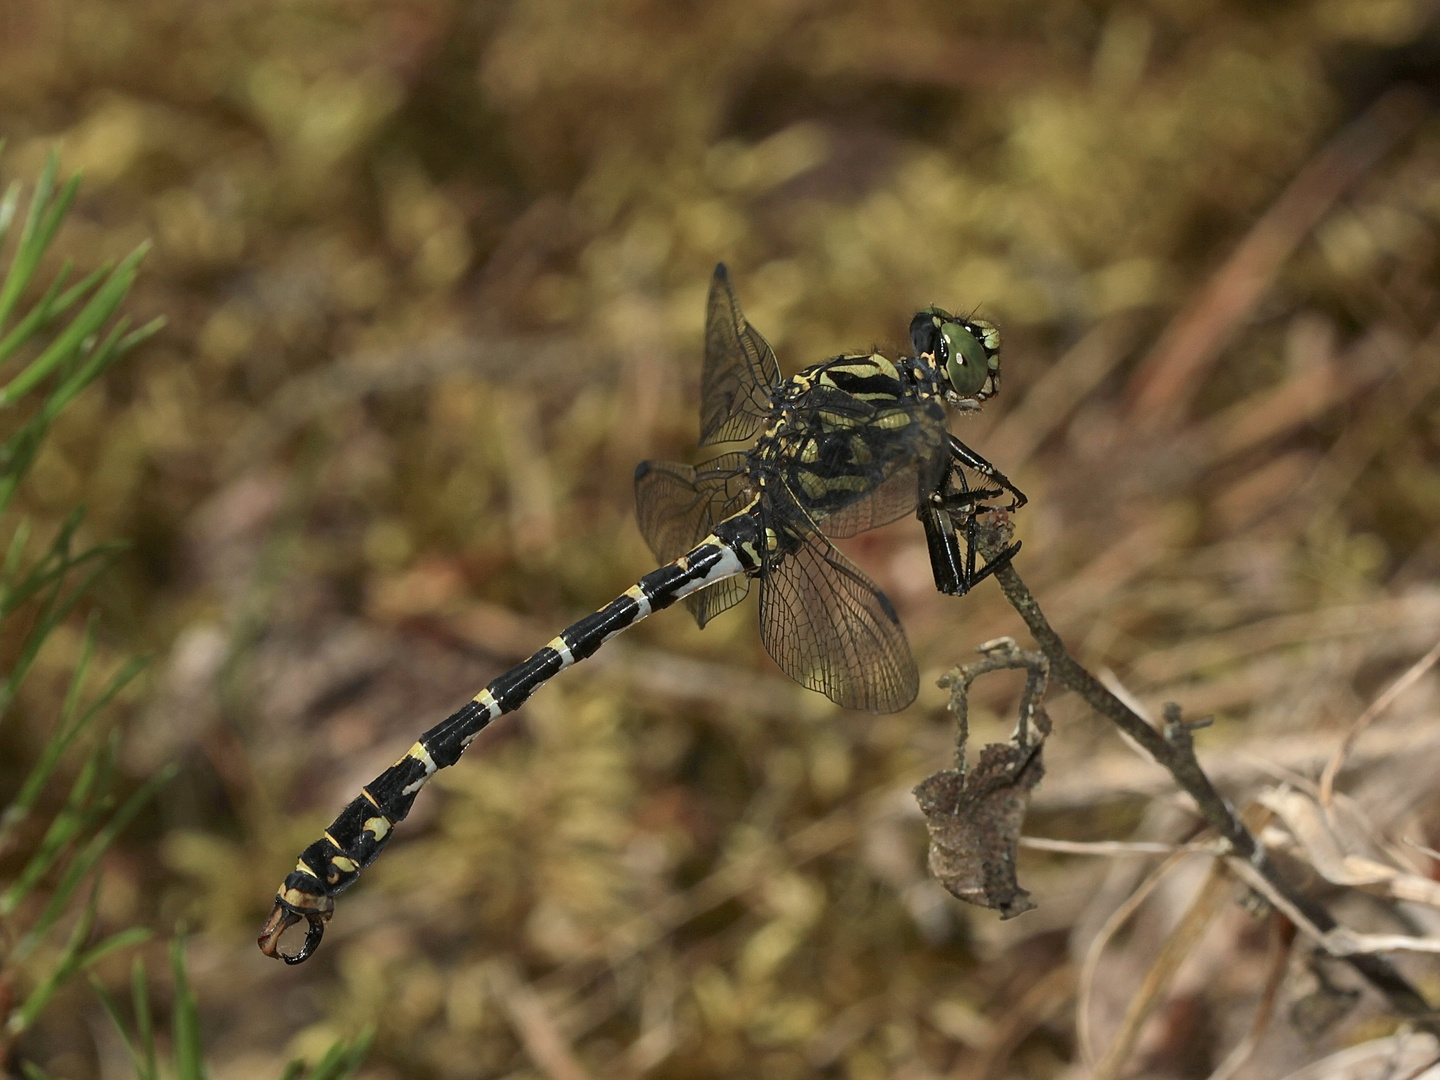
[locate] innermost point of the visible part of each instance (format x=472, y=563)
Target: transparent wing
x=713, y=599
x=897, y=496
x=740, y=369
x=854, y=465
x=677, y=506
x=830, y=629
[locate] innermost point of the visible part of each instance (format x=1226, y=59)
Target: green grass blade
x=32, y=250
x=122, y=678
x=9, y=203
x=97, y=845
x=21, y=1019
x=91, y=360
x=67, y=824
x=346, y=1061
x=77, y=959
x=36, y=318
x=67, y=299
x=48, y=577
x=33, y=1071
x=48, y=310
x=332, y=1059
x=39, y=229
x=112, y=1010
x=58, y=599
x=88, y=856
x=140, y=333
x=67, y=731
x=17, y=453
x=91, y=317
x=84, y=374
x=18, y=543
x=13, y=285
x=189, y=1055
x=144, y=1022
x=30, y=791
x=121, y=939
x=116, y=344
x=45, y=569
x=339, y=1061
x=54, y=610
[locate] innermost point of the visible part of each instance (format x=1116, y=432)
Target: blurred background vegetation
x=433, y=275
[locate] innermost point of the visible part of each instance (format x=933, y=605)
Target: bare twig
x=1174, y=749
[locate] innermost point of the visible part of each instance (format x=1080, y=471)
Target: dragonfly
x=844, y=446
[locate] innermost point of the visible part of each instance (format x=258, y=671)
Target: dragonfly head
x=965, y=350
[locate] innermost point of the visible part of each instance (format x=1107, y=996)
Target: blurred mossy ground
x=434, y=275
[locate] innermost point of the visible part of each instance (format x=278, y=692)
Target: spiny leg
x=355, y=838
x=943, y=511
x=961, y=453
x=955, y=502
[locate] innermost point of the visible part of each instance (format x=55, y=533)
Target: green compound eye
x=965, y=359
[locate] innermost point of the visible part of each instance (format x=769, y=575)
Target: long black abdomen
x=358, y=835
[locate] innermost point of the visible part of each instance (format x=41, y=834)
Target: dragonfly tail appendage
x=354, y=839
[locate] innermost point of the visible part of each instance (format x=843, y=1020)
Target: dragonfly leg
x=946, y=509
x=951, y=572
x=994, y=564
x=968, y=500
x=969, y=458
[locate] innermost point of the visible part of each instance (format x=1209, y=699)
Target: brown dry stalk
x=534, y=1024
x=1208, y=902
x=1213, y=896
x=1119, y=917
x=1168, y=377
x=1373, y=427
x=1378, y=706
x=1057, y=393
x=1282, y=934
x=1049, y=993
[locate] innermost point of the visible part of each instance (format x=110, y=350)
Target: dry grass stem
x=535, y=1024
x=1169, y=375
x=1084, y=1031
x=1213, y=895
x=1281, y=936
x=1368, y=717
x=1338, y=941
x=1377, y=1057
x=1115, y=847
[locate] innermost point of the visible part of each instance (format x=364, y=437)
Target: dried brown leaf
x=974, y=817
